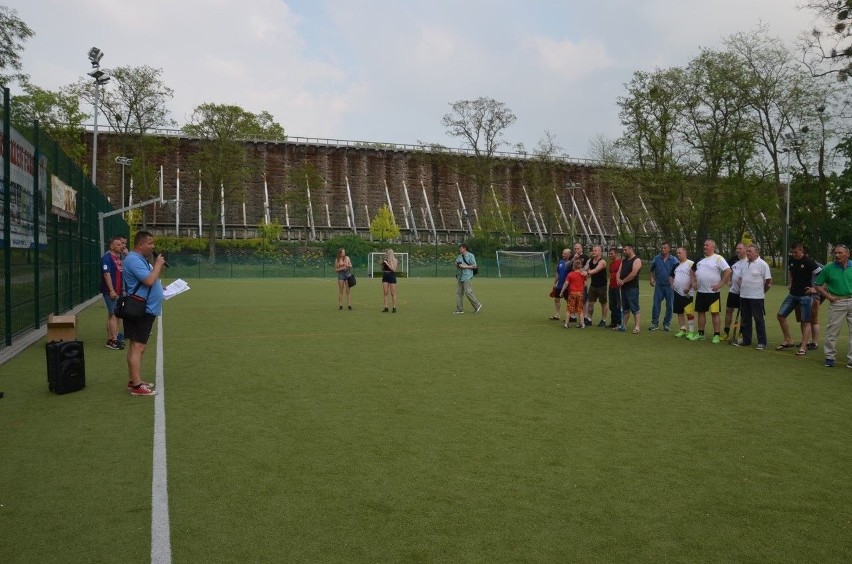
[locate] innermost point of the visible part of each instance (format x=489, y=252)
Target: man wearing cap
x=834, y=283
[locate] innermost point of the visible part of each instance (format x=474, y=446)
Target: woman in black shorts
x=389, y=265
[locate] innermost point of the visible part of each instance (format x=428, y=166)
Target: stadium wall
x=367, y=169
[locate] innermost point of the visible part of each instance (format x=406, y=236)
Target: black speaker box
x=66, y=366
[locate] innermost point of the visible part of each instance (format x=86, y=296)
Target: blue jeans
x=662, y=293
x=631, y=300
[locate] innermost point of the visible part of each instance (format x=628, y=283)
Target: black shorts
x=705, y=302
x=733, y=301
x=389, y=277
x=139, y=330
x=680, y=303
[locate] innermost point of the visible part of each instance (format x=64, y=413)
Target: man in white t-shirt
x=755, y=280
x=681, y=277
x=709, y=274
x=681, y=281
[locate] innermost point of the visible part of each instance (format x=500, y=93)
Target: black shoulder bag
x=131, y=306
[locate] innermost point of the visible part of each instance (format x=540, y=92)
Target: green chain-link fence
x=50, y=250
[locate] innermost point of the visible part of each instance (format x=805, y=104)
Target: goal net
x=375, y=264
x=519, y=263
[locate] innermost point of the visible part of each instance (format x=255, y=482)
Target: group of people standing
x=692, y=289
x=343, y=267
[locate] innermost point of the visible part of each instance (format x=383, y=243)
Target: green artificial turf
x=300, y=433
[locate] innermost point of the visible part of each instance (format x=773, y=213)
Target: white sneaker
x=457, y=312
x=477, y=308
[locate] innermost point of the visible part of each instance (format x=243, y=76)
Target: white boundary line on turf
x=161, y=544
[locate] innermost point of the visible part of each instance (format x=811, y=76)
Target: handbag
x=131, y=306
x=351, y=280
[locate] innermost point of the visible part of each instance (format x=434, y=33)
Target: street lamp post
x=793, y=142
x=123, y=161
x=100, y=77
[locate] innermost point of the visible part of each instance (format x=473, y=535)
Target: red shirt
x=576, y=282
x=614, y=267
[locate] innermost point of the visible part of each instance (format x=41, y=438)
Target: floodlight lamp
x=95, y=56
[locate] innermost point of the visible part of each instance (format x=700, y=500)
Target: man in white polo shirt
x=755, y=281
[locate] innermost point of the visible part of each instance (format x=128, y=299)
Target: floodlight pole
x=793, y=142
x=95, y=56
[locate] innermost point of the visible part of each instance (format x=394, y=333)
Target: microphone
x=165, y=263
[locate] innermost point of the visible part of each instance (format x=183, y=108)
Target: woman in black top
x=389, y=265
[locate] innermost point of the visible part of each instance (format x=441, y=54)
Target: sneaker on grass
x=682, y=333
x=110, y=344
x=142, y=390
x=716, y=340
x=829, y=363
x=666, y=328
x=601, y=323
x=144, y=383
x=653, y=327
x=479, y=307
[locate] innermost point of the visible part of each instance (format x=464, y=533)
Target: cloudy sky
x=386, y=70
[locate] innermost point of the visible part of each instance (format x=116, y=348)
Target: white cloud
x=386, y=70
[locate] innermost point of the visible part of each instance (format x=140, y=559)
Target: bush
x=355, y=247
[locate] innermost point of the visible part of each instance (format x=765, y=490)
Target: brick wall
x=368, y=170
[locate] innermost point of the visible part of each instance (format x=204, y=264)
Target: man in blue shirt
x=465, y=265
x=661, y=267
x=111, y=289
x=143, y=279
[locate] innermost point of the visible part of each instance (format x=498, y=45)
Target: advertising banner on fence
x=22, y=199
x=64, y=203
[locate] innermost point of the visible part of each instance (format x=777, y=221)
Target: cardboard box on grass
x=61, y=328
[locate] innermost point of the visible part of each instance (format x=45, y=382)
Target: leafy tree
x=269, y=233
x=650, y=114
x=715, y=127
x=58, y=114
x=383, y=226
x=654, y=113
x=134, y=103
x=13, y=34
x=222, y=161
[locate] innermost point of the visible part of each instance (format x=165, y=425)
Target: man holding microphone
x=139, y=271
